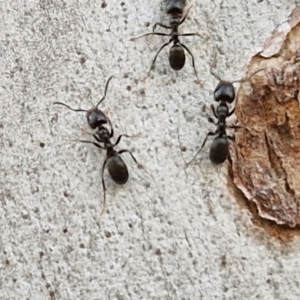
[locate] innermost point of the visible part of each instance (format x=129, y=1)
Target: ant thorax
x=222, y=111
x=175, y=20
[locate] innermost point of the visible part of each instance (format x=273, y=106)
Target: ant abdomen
x=117, y=169
x=176, y=57
x=219, y=150
x=224, y=92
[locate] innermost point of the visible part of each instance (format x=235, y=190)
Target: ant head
x=175, y=7
x=219, y=150
x=225, y=89
x=95, y=118
x=224, y=92
x=176, y=57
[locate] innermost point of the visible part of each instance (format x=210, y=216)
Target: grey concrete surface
x=171, y=232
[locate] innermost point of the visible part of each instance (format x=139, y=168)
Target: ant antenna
x=79, y=109
x=106, y=87
x=86, y=110
x=221, y=80
x=247, y=78
x=213, y=66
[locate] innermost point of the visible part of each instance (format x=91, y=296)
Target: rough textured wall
x=171, y=232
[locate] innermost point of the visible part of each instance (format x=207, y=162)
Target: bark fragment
x=266, y=155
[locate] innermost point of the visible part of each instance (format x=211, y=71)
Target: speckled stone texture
x=171, y=232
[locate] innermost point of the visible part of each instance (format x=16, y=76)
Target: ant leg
x=87, y=131
x=232, y=138
x=125, y=150
x=111, y=134
x=235, y=127
x=151, y=33
x=125, y=135
x=89, y=142
x=193, y=60
x=161, y=25
x=153, y=62
x=191, y=34
x=214, y=111
x=230, y=113
x=202, y=146
x=211, y=120
x=97, y=139
x=60, y=103
x=104, y=188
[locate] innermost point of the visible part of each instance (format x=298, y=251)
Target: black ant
x=95, y=117
x=115, y=165
x=224, y=94
x=176, y=53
